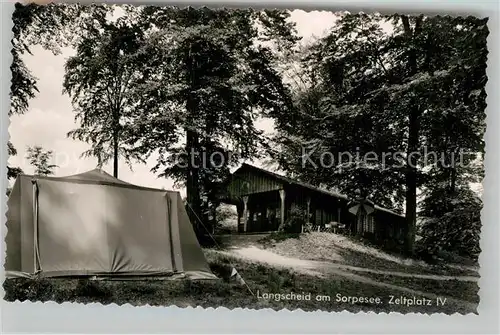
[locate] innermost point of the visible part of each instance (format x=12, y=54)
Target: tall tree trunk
x=115, y=158
x=413, y=139
x=453, y=180
x=116, y=139
x=192, y=181
x=192, y=147
x=411, y=180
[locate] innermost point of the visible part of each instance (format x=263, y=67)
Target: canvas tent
x=93, y=224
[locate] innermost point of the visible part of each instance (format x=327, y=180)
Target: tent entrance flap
x=175, y=244
x=36, y=250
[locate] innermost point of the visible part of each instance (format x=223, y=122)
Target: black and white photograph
x=246, y=158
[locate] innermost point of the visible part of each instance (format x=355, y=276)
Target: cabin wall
x=322, y=209
x=263, y=212
x=263, y=204
x=264, y=208
x=246, y=182
x=388, y=230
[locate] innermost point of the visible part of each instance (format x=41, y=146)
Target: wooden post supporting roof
x=282, y=207
x=245, y=213
x=338, y=211
x=308, y=213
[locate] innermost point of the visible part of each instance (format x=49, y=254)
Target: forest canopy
x=386, y=108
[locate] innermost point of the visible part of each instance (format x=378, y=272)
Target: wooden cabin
x=265, y=200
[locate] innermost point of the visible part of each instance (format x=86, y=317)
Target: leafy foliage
x=52, y=26
x=99, y=79
x=12, y=172
x=41, y=159
x=453, y=223
x=206, y=78
x=226, y=219
x=383, y=92
x=295, y=221
x=369, y=103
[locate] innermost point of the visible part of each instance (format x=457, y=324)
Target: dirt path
x=403, y=274
x=319, y=267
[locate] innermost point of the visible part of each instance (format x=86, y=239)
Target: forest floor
x=331, y=283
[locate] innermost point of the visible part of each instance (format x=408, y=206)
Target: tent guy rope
x=234, y=272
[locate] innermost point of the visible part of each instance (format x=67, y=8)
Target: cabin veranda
x=265, y=201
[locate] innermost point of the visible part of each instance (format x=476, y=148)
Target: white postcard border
x=51, y=317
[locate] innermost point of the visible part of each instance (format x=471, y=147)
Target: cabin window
x=318, y=217
x=245, y=187
x=271, y=212
x=361, y=222
x=370, y=224
x=364, y=222
x=367, y=223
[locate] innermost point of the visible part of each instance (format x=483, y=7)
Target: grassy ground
x=341, y=249
x=462, y=290
x=371, y=262
x=222, y=292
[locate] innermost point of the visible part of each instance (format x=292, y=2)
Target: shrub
x=294, y=222
x=454, y=226
x=226, y=219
